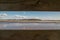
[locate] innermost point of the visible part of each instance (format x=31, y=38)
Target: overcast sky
x=44, y=15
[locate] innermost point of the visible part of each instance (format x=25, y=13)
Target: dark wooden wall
x=29, y=35
x=29, y=5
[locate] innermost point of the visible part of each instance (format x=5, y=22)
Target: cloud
x=19, y=17
x=3, y=15
x=33, y=17
x=37, y=18
x=50, y=18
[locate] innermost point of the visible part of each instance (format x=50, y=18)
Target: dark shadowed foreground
x=29, y=5
x=29, y=35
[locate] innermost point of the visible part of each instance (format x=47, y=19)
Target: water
x=29, y=26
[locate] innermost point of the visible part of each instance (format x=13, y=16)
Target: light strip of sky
x=41, y=14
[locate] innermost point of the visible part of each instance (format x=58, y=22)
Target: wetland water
x=29, y=26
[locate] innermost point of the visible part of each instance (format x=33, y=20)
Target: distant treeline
x=19, y=20
x=30, y=20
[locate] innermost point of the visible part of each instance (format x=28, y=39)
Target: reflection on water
x=29, y=25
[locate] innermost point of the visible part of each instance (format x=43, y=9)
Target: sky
x=44, y=15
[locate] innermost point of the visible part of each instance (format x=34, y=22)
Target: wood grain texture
x=29, y=35
x=29, y=5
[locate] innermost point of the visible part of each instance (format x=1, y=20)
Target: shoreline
x=30, y=22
